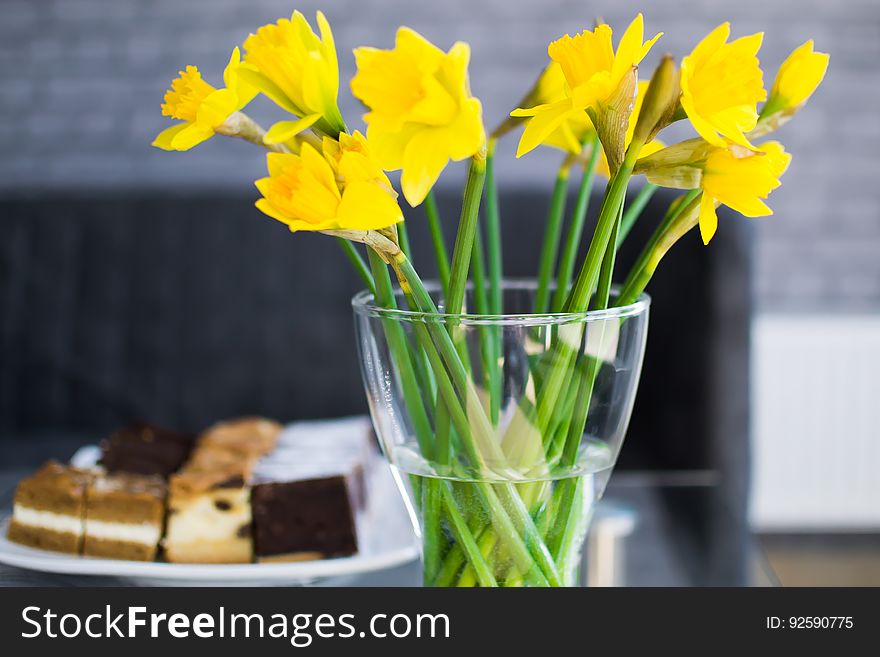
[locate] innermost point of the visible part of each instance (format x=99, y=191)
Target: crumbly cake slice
x=49, y=507
x=125, y=514
x=209, y=517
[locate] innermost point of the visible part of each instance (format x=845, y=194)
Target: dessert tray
x=385, y=540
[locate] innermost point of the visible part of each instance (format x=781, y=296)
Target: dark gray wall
x=81, y=82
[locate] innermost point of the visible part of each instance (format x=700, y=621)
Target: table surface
x=682, y=536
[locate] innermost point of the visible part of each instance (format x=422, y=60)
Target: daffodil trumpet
x=489, y=516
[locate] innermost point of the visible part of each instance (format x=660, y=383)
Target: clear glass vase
x=502, y=430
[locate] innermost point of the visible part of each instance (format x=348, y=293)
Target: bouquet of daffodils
x=588, y=102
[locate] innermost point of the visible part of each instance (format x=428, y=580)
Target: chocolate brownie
x=146, y=449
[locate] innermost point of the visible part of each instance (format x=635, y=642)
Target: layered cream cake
x=49, y=509
x=247, y=491
x=124, y=517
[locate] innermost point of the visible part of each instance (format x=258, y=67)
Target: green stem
x=464, y=538
x=608, y=215
x=491, y=378
x=552, y=233
x=436, y=227
x=464, y=240
x=575, y=230
x=403, y=239
x=606, y=272
x=560, y=536
x=563, y=354
x=677, y=223
x=505, y=509
x=415, y=405
x=399, y=349
x=634, y=211
x=357, y=261
x=457, y=277
x=493, y=233
x=495, y=261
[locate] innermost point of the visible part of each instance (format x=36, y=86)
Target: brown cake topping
x=197, y=481
x=54, y=487
x=208, y=457
x=127, y=498
x=146, y=449
x=48, y=508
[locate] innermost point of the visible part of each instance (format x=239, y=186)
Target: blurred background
x=138, y=283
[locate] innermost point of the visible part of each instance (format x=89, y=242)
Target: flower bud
x=660, y=102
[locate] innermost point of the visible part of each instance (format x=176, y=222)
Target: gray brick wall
x=81, y=82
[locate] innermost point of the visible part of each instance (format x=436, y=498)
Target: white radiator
x=816, y=423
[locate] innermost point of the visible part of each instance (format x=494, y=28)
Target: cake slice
x=209, y=512
x=124, y=516
x=319, y=448
x=209, y=516
x=49, y=508
x=308, y=492
x=208, y=458
x=299, y=520
x=251, y=436
x=146, y=449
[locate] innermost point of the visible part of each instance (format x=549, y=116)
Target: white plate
x=386, y=539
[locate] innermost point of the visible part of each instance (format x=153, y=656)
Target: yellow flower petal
x=721, y=85
x=295, y=68
x=216, y=108
x=230, y=73
x=284, y=130
x=708, y=218
x=276, y=163
x=467, y=134
x=798, y=77
x=421, y=111
x=424, y=160
x=186, y=94
x=244, y=91
x=367, y=206
x=191, y=135
x=340, y=187
x=269, y=89
x=545, y=120
x=165, y=138
x=264, y=206
x=585, y=73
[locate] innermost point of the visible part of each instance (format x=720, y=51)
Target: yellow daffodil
x=594, y=75
x=340, y=188
x=421, y=113
x=202, y=109
x=577, y=127
x=721, y=85
x=296, y=69
x=739, y=180
x=649, y=148
x=797, y=79
x=733, y=176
